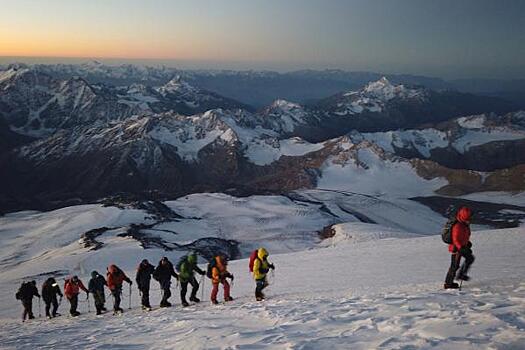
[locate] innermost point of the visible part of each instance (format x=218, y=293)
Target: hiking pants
x=145, y=296
x=53, y=301
x=215, y=290
x=74, y=304
x=184, y=288
x=28, y=309
x=455, y=261
x=166, y=291
x=259, y=286
x=117, y=292
x=100, y=300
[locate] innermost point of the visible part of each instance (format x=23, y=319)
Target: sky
x=447, y=38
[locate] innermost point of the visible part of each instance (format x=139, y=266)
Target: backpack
x=18, y=294
x=181, y=261
x=209, y=270
x=253, y=256
x=446, y=234
x=21, y=291
x=155, y=274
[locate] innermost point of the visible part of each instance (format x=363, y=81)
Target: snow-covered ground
x=383, y=291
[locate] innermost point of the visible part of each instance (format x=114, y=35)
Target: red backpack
x=253, y=256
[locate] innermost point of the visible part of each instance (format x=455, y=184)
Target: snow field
x=381, y=293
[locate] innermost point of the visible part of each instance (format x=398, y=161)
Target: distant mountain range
x=68, y=140
x=260, y=88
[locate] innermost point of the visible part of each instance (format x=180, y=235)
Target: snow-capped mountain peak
x=177, y=86
x=285, y=105
x=385, y=90
x=10, y=73
x=375, y=96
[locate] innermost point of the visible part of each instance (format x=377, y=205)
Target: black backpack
x=209, y=270
x=22, y=291
x=446, y=234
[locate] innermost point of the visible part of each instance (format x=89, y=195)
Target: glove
x=469, y=244
x=271, y=266
x=130, y=283
x=231, y=276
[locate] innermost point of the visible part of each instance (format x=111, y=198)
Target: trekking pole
x=89, y=304
x=460, y=284
x=39, y=309
x=202, y=287
x=129, y=297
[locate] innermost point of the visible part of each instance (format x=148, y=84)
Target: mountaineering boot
x=214, y=302
x=453, y=285
x=463, y=277
x=165, y=304
x=259, y=298
x=195, y=299
x=228, y=299
x=185, y=303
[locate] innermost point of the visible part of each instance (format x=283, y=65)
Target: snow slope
x=379, y=293
x=371, y=174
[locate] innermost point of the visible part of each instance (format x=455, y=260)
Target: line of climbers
x=456, y=234
x=187, y=266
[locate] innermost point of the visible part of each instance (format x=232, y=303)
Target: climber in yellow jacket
x=261, y=266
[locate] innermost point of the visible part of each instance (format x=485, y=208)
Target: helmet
x=464, y=214
x=94, y=274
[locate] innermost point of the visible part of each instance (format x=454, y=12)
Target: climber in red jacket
x=460, y=247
